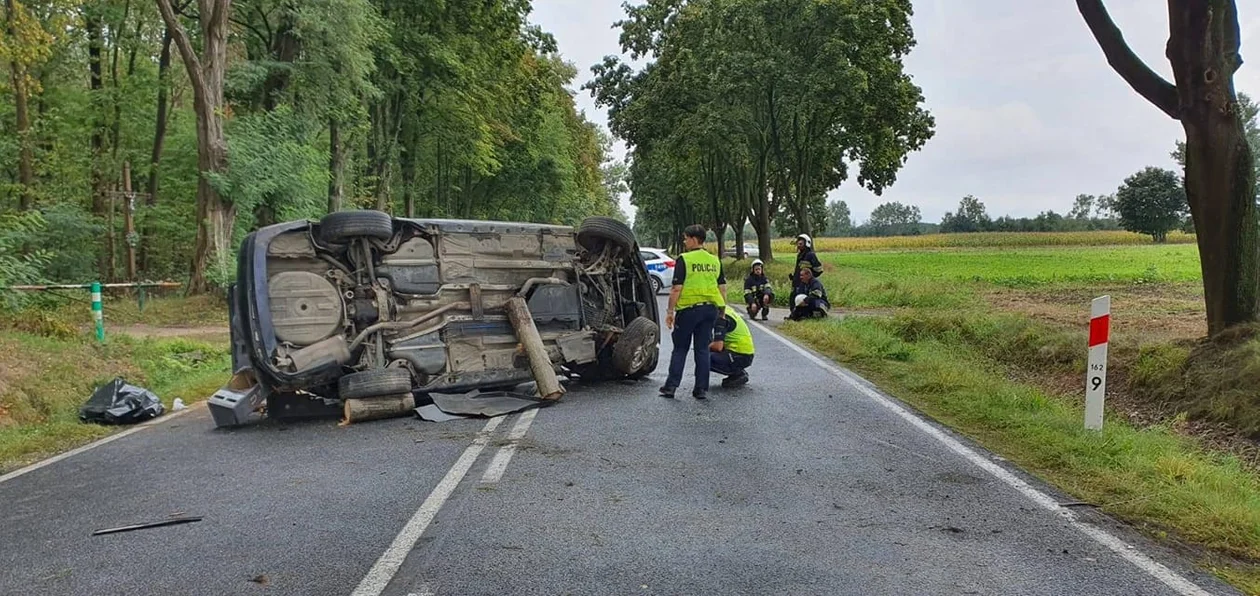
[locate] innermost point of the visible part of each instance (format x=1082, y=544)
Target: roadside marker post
x=1096, y=372
x=97, y=313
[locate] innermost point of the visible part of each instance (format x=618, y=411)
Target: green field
x=1028, y=266
x=783, y=246
x=990, y=340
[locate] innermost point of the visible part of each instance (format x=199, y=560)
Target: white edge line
x=494, y=472
x=385, y=567
x=1126, y=551
x=97, y=443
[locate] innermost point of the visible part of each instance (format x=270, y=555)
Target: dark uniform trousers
x=729, y=364
x=693, y=328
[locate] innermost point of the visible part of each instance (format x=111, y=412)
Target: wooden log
x=544, y=373
x=376, y=408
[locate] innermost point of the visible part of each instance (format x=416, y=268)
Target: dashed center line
x=387, y=566
x=500, y=462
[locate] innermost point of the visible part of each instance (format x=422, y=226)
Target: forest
x=142, y=139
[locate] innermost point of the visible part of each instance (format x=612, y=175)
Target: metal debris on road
x=168, y=522
x=477, y=403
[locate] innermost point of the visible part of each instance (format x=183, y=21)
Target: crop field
x=981, y=240
x=1016, y=267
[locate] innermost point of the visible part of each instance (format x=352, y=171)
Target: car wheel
x=597, y=231
x=656, y=285
x=374, y=383
x=649, y=367
x=637, y=347
x=342, y=226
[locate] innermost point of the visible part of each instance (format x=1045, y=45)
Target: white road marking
x=114, y=437
x=386, y=566
x=495, y=470
x=1126, y=551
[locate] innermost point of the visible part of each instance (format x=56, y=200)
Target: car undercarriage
x=361, y=304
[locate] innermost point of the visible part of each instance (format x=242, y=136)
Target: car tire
x=638, y=347
x=597, y=231
x=656, y=285
x=374, y=383
x=343, y=226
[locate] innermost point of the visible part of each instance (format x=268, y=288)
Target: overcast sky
x=1028, y=114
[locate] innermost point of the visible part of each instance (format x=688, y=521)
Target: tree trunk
x=26, y=159
x=159, y=141
x=284, y=52
x=214, y=214
x=764, y=233
x=100, y=204
x=1220, y=179
x=336, y=167
x=163, y=110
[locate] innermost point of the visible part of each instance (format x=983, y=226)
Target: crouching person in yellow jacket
x=731, y=352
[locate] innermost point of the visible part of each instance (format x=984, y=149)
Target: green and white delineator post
x=97, y=314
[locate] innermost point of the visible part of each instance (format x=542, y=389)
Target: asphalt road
x=800, y=483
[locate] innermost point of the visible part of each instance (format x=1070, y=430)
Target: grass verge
x=44, y=380
x=1153, y=478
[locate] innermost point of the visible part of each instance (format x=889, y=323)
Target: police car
x=660, y=267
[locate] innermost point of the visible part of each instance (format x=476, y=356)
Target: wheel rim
x=639, y=358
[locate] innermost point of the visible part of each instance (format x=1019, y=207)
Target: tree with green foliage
x=752, y=110
x=1153, y=202
x=839, y=219
x=1220, y=176
x=893, y=218
x=970, y=217
x=235, y=114
x=1082, y=207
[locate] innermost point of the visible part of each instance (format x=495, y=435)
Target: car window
x=647, y=256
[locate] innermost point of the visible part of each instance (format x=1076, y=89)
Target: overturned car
x=362, y=304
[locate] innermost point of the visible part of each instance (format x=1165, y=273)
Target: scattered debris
x=158, y=524
x=178, y=405
x=477, y=403
x=261, y=580
x=1077, y=504
x=432, y=413
x=117, y=402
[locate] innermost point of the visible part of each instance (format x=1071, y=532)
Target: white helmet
x=809, y=242
x=800, y=299
x=757, y=262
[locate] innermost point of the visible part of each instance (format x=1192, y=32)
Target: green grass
x=1152, y=477
x=984, y=239
x=953, y=277
x=1029, y=266
x=996, y=375
x=44, y=381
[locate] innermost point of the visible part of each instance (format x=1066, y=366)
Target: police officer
x=732, y=349
x=699, y=292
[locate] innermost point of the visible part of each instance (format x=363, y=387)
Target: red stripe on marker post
x=1099, y=330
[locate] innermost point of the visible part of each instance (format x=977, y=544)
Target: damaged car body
x=361, y=304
